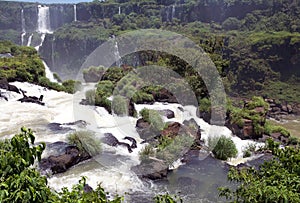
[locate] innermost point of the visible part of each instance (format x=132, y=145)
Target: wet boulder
x=62, y=162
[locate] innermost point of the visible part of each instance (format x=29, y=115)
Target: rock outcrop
x=69, y=157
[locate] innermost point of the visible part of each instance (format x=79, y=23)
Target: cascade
x=173, y=11
x=29, y=40
x=43, y=29
x=119, y=10
x=116, y=52
x=23, y=27
x=43, y=19
x=75, y=13
x=52, y=51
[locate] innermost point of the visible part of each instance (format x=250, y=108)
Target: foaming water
x=112, y=167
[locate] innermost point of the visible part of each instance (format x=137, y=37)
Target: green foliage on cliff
x=275, y=181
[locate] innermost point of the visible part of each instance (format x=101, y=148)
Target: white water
x=75, y=13
x=43, y=19
x=23, y=27
x=112, y=166
x=43, y=29
x=119, y=10
x=173, y=11
x=29, y=40
x=116, y=52
x=207, y=130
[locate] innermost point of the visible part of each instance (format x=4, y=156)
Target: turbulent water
x=112, y=166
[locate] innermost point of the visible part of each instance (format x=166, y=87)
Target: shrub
x=270, y=128
x=85, y=141
x=120, y=106
x=90, y=97
x=222, y=147
x=249, y=149
x=166, y=198
x=152, y=117
x=71, y=86
x=171, y=150
x=146, y=152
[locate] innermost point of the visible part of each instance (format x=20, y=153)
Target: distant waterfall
x=75, y=13
x=29, y=40
x=119, y=10
x=43, y=29
x=116, y=52
x=52, y=51
x=173, y=11
x=43, y=19
x=23, y=27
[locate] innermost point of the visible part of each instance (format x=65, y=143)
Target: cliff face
x=65, y=50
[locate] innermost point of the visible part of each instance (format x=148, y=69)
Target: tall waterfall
x=43, y=29
x=173, y=11
x=43, y=19
x=75, y=13
x=119, y=10
x=52, y=51
x=29, y=40
x=23, y=27
x=116, y=52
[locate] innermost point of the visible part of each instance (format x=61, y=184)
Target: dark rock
x=132, y=140
x=5, y=85
x=256, y=163
x=167, y=113
x=61, y=163
x=30, y=99
x=110, y=140
x=164, y=96
x=125, y=145
x=57, y=127
x=87, y=188
x=145, y=130
x=2, y=96
x=171, y=130
x=131, y=109
x=79, y=123
x=152, y=169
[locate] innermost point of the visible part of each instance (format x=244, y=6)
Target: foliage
x=249, y=149
x=85, y=141
x=271, y=128
x=276, y=180
x=147, y=152
x=78, y=195
x=153, y=118
x=71, y=86
x=222, y=147
x=167, y=198
x=172, y=149
x=120, y=106
x=237, y=115
x=20, y=182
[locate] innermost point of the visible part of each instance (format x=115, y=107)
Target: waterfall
x=23, y=27
x=43, y=19
x=119, y=10
x=75, y=13
x=29, y=40
x=116, y=52
x=52, y=51
x=173, y=11
x=43, y=29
